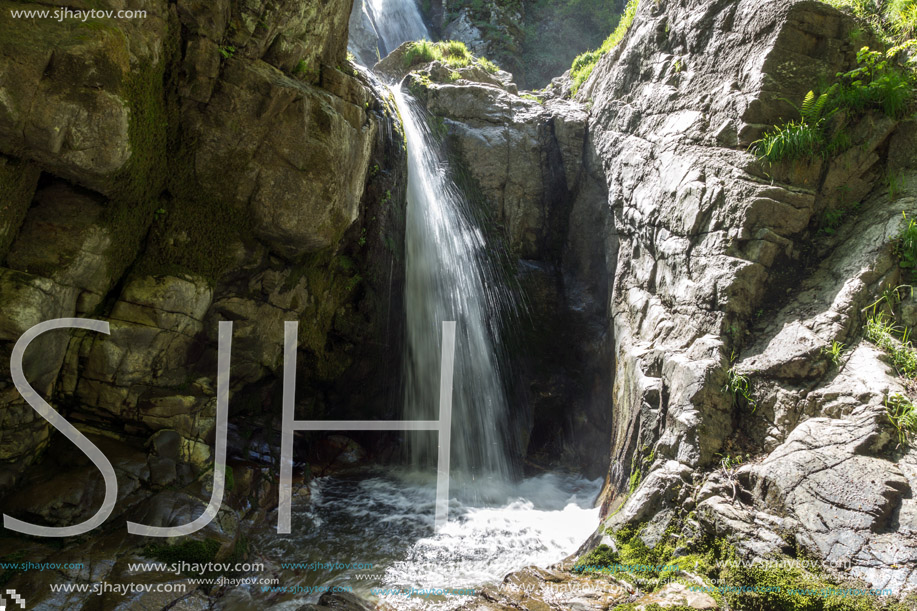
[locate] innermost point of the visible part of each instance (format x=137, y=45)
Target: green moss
x=784, y=585
x=239, y=550
x=17, y=187
x=192, y=551
x=331, y=281
x=137, y=186
x=787, y=589
x=585, y=63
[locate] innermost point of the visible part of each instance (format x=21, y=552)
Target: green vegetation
x=789, y=142
x=903, y=416
x=831, y=219
x=738, y=386
x=780, y=585
x=7, y=574
x=488, y=65
x=906, y=245
x=895, y=340
x=896, y=21
x=585, y=63
x=227, y=51
x=834, y=352
x=138, y=185
x=230, y=479
x=901, y=16
x=880, y=83
x=453, y=53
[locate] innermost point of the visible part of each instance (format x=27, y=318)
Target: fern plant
x=812, y=110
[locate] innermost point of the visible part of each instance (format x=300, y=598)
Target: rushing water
x=450, y=277
x=374, y=528
x=396, y=21
x=386, y=520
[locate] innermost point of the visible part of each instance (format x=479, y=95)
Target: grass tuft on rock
x=585, y=63
x=453, y=53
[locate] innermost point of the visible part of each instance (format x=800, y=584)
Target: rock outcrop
x=208, y=161
x=690, y=261
x=721, y=264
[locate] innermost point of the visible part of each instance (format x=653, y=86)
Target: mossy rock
x=18, y=180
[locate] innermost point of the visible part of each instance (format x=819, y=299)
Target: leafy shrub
x=585, y=63
x=878, y=83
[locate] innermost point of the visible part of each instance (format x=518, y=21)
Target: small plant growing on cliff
x=488, y=65
x=903, y=416
x=737, y=385
x=585, y=63
x=420, y=52
x=789, y=142
x=906, y=244
x=802, y=139
x=877, y=83
x=881, y=331
x=834, y=352
x=227, y=51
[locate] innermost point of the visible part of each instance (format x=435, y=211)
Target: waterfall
x=396, y=21
x=449, y=276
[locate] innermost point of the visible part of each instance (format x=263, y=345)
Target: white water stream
x=374, y=529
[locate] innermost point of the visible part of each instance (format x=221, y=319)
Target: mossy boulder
x=64, y=98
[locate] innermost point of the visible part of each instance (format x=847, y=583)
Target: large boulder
x=298, y=155
x=69, y=86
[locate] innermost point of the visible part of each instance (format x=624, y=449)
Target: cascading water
x=396, y=21
x=375, y=528
x=450, y=277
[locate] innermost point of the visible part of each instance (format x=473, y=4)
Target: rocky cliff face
x=721, y=262
x=686, y=261
x=210, y=161
x=224, y=162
